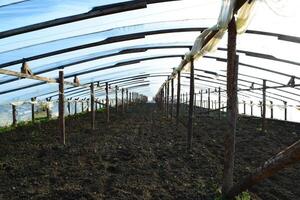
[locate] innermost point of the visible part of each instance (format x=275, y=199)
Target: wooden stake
x=208, y=99
x=271, y=105
x=69, y=109
x=201, y=100
x=14, y=114
x=167, y=97
x=285, y=110
x=32, y=109
x=219, y=95
x=178, y=97
x=107, y=102
x=75, y=107
x=172, y=97
x=229, y=139
x=116, y=88
x=263, y=125
x=127, y=100
x=92, y=106
x=191, y=106
x=62, y=108
x=283, y=159
x=123, y=105
x=48, y=110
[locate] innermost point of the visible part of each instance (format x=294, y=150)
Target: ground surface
x=140, y=155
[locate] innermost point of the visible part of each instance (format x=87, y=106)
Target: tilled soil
x=138, y=155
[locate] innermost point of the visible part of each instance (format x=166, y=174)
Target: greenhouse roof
x=138, y=44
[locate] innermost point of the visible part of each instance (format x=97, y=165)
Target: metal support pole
x=178, y=97
x=62, y=108
x=232, y=105
x=92, y=107
x=263, y=125
x=251, y=107
x=107, y=102
x=82, y=106
x=191, y=106
x=244, y=103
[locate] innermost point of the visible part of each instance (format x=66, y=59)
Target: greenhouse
x=150, y=99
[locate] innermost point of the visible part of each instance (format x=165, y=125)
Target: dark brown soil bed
x=139, y=155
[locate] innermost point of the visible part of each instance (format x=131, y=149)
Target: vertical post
x=263, y=126
x=62, y=108
x=107, y=102
x=251, y=107
x=126, y=99
x=229, y=139
x=167, y=95
x=161, y=104
x=285, y=110
x=47, y=109
x=32, y=109
x=219, y=95
x=186, y=98
x=92, y=107
x=88, y=105
x=75, y=107
x=82, y=109
x=14, y=114
x=261, y=108
x=172, y=97
x=271, y=105
x=195, y=100
x=116, y=88
x=123, y=106
x=208, y=99
x=244, y=103
x=191, y=106
x=201, y=93
x=178, y=97
x=69, y=109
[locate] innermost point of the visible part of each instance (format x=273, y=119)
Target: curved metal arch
x=203, y=79
x=243, y=80
x=96, y=70
x=121, y=52
x=113, y=82
x=95, y=12
x=109, y=40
